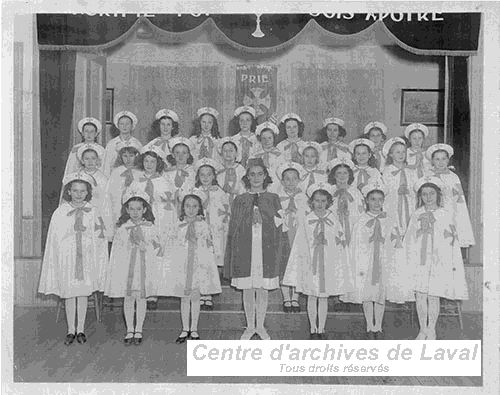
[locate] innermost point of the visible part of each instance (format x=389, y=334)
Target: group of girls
x=371, y=221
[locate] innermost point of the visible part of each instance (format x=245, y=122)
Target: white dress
x=348, y=205
x=161, y=143
x=74, y=261
x=112, y=149
x=181, y=179
x=364, y=175
x=334, y=150
x=319, y=260
x=205, y=147
x=290, y=150
x=190, y=263
x=130, y=270
x=247, y=145
x=230, y=180
x=400, y=197
x=454, y=200
x=434, y=254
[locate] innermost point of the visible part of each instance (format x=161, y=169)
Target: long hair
x=215, y=127
x=234, y=124
x=389, y=160
x=155, y=128
x=124, y=215
x=95, y=128
x=323, y=136
x=267, y=179
x=197, y=183
x=331, y=175
x=182, y=216
x=329, y=198
x=371, y=193
x=439, y=198
x=66, y=196
x=131, y=150
x=171, y=158
x=160, y=165
x=282, y=128
x=372, y=161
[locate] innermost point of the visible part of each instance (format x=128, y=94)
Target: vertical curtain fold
x=57, y=88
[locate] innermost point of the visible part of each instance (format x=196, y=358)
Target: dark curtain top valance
x=456, y=33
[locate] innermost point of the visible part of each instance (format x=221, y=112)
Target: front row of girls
x=257, y=235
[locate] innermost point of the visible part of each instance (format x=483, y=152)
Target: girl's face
x=78, y=192
x=290, y=179
x=267, y=139
x=181, y=154
x=135, y=210
x=429, y=197
x=256, y=175
x=191, y=207
x=311, y=157
x=332, y=131
x=206, y=175
x=376, y=135
x=229, y=152
x=375, y=201
x=342, y=175
x=245, y=121
x=361, y=155
x=90, y=160
x=398, y=153
x=440, y=160
x=125, y=125
x=128, y=159
x=319, y=202
x=149, y=164
x=89, y=133
x=166, y=126
x=416, y=139
x=292, y=129
x=206, y=122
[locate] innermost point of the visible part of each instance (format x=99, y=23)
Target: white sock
x=128, y=312
x=185, y=302
x=312, y=312
x=434, y=307
x=70, y=307
x=140, y=304
x=368, y=311
x=261, y=299
x=81, y=313
x=249, y=307
x=422, y=311
x=195, y=310
x=285, y=291
x=322, y=311
x=379, y=316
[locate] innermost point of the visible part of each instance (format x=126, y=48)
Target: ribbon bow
x=265, y=155
x=136, y=238
x=451, y=233
x=162, y=144
x=363, y=177
x=419, y=161
x=100, y=227
x=396, y=236
x=191, y=239
x=129, y=177
x=310, y=174
x=149, y=189
x=458, y=192
x=180, y=177
x=257, y=216
x=206, y=146
x=426, y=220
x=403, y=193
x=377, y=239
x=169, y=201
x=225, y=214
x=294, y=149
x=377, y=154
x=339, y=240
x=79, y=228
x=344, y=197
x=319, y=248
x=246, y=144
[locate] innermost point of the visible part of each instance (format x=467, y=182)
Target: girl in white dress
x=291, y=132
x=122, y=176
x=192, y=268
x=230, y=176
x=89, y=128
x=206, y=134
x=377, y=133
x=133, y=255
x=453, y=194
x=365, y=170
x=294, y=204
x=348, y=202
x=314, y=170
x=434, y=255
x=319, y=261
x=416, y=133
x=76, y=253
x=399, y=178
x=165, y=126
x=267, y=133
x=332, y=140
x=245, y=138
x=126, y=122
x=217, y=212
x=181, y=174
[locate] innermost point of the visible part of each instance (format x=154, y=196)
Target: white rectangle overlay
x=334, y=358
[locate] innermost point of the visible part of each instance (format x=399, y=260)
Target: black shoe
x=137, y=340
x=209, y=305
x=322, y=336
x=370, y=335
x=128, y=340
x=182, y=339
x=80, y=338
x=379, y=335
x=295, y=306
x=152, y=304
x=287, y=307
x=191, y=337
x=70, y=338
x=314, y=336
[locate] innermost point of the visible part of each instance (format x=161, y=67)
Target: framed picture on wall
x=109, y=104
x=422, y=105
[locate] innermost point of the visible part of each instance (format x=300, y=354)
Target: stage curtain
x=57, y=82
x=457, y=32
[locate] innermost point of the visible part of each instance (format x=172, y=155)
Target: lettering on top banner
x=256, y=87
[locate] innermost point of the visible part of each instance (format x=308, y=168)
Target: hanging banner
x=256, y=87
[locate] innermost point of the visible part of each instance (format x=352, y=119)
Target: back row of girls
x=239, y=203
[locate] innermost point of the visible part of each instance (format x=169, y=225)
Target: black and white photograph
x=317, y=176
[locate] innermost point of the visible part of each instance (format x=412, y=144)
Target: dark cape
x=238, y=256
